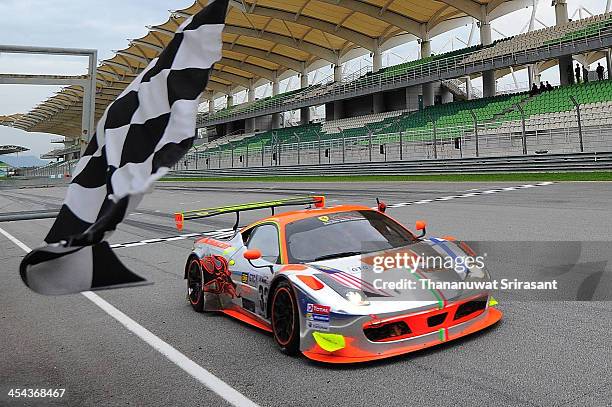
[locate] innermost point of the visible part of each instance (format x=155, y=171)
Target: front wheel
x=285, y=319
x=195, y=295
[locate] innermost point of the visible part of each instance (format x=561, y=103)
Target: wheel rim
x=282, y=316
x=194, y=282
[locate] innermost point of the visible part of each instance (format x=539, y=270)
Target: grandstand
x=424, y=108
x=10, y=149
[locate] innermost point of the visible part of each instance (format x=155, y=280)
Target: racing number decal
x=263, y=296
x=218, y=276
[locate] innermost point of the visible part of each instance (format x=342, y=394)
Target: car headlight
x=352, y=295
x=356, y=297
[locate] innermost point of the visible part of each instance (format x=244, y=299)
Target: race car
x=314, y=278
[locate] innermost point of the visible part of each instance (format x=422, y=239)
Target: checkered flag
x=145, y=131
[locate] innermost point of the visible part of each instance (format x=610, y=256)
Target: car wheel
x=285, y=319
x=194, y=285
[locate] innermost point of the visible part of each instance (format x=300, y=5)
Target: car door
x=265, y=238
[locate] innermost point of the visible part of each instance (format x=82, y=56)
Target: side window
x=265, y=239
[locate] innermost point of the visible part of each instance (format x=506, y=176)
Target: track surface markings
x=218, y=386
x=226, y=233
x=469, y=194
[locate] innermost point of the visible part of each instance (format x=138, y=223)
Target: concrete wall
x=395, y=100
x=263, y=123
x=399, y=99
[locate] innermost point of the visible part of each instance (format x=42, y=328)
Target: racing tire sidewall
x=197, y=303
x=291, y=344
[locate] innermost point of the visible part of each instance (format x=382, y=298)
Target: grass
x=527, y=176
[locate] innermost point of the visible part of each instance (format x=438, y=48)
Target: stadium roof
x=264, y=39
x=12, y=149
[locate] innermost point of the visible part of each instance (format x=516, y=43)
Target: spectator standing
x=600, y=71
x=585, y=74
x=577, y=72
x=548, y=86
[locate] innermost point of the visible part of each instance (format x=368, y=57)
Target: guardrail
x=596, y=161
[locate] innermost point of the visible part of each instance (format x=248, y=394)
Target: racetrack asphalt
x=541, y=354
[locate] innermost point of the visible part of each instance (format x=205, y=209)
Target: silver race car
x=327, y=281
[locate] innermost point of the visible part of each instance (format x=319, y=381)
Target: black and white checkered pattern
x=217, y=234
x=145, y=131
x=227, y=233
x=468, y=195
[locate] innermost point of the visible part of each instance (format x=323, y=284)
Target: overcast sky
x=107, y=25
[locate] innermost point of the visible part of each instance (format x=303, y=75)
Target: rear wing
x=181, y=217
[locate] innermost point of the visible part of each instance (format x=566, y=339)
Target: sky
x=88, y=24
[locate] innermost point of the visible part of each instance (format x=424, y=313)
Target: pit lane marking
x=212, y=382
x=226, y=233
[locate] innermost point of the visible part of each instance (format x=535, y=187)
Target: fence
x=601, y=161
x=492, y=139
x=56, y=170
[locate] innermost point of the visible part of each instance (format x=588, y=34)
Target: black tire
x=195, y=295
x=285, y=319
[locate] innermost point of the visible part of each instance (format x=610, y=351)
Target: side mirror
x=252, y=254
x=421, y=225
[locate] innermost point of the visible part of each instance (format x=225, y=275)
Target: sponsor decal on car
x=318, y=325
x=340, y=217
x=317, y=316
x=248, y=278
x=318, y=309
x=215, y=243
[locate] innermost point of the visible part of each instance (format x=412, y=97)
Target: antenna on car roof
x=382, y=207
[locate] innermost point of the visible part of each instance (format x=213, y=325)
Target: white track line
x=196, y=371
x=221, y=233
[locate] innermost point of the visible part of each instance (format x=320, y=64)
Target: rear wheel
x=285, y=319
x=194, y=285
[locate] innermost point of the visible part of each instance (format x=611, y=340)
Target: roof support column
x=230, y=100
x=250, y=123
x=305, y=111
x=211, y=104
x=609, y=62
x=533, y=72
x=565, y=61
x=377, y=57
x=468, y=88
x=276, y=117
x=338, y=72
x=251, y=91
x=561, y=11
x=488, y=77
x=427, y=88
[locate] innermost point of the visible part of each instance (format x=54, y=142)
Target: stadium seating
x=406, y=67
x=546, y=36
x=530, y=40
x=553, y=109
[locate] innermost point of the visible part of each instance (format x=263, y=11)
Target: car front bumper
x=358, y=348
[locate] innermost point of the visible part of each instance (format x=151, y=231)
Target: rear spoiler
x=181, y=217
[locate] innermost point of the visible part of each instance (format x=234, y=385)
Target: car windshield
x=343, y=234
